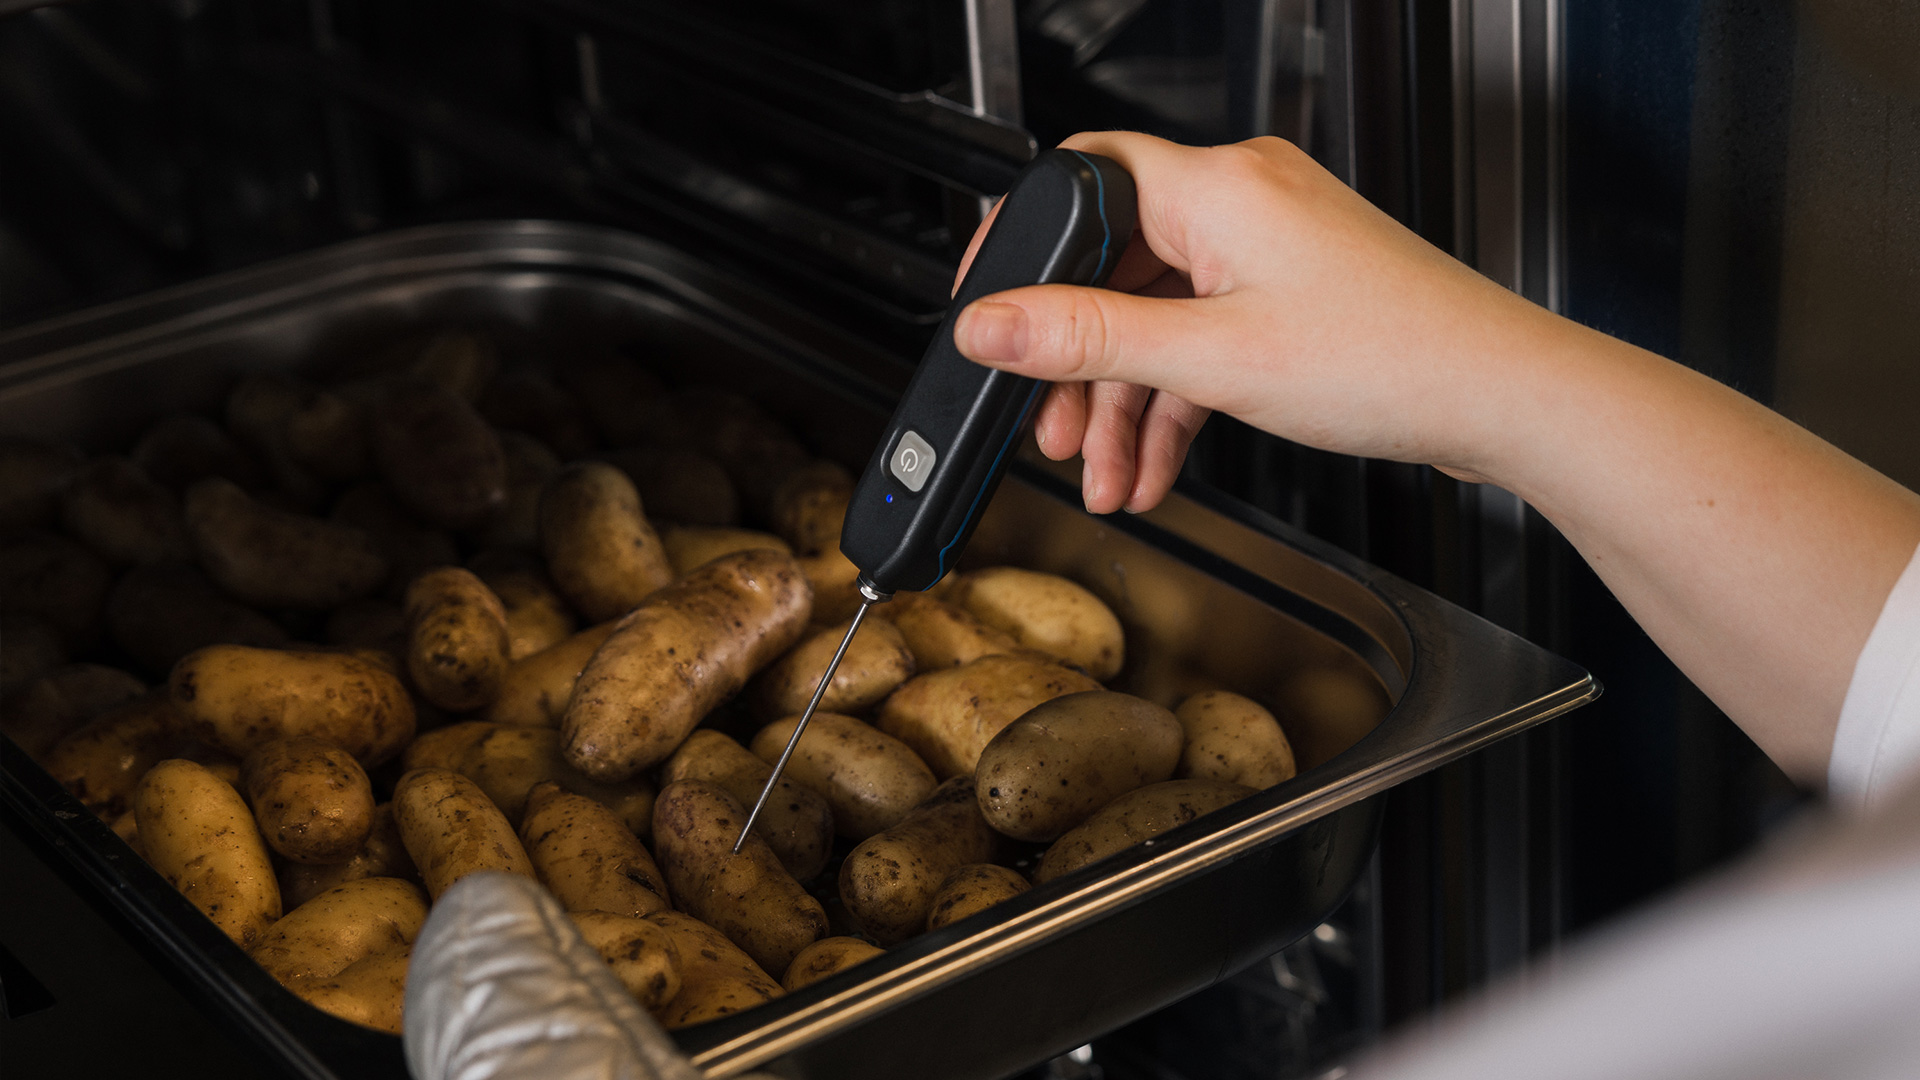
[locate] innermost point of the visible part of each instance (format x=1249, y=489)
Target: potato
x=30, y=646
x=615, y=392
x=530, y=466
x=1140, y=814
x=828, y=956
x=451, y=829
x=537, y=689
x=948, y=716
x=410, y=548
x=371, y=992
x=32, y=476
x=180, y=449
x=158, y=614
x=236, y=697
x=641, y=954
x=196, y=831
x=757, y=451
x=456, y=639
x=103, y=761
x=870, y=779
x=942, y=636
x=327, y=435
x=971, y=889
x=876, y=662
x=124, y=517
x=587, y=857
x=462, y=362
x=274, y=559
x=53, y=577
x=690, y=647
x=1045, y=612
x=338, y=928
x=313, y=802
x=259, y=410
x=52, y=706
x=747, y=896
x=716, y=977
x=600, y=549
x=810, y=506
x=1232, y=738
x=537, y=618
x=795, y=823
x=370, y=623
x=689, y=546
x=524, y=401
x=1063, y=759
x=889, y=881
x=508, y=761
x=441, y=459
x=383, y=855
x=835, y=583
x=677, y=484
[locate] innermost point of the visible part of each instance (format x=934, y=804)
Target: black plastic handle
x=1066, y=221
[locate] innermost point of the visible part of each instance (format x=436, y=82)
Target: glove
x=502, y=987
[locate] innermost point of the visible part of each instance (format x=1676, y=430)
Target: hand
x=1260, y=286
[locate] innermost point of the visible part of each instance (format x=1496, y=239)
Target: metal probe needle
x=818, y=693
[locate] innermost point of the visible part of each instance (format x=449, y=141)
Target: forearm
x=1754, y=554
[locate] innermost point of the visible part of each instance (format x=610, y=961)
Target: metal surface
x=1210, y=593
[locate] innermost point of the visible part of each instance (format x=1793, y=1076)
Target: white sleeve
x=1878, y=740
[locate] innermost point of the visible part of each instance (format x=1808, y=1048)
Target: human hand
x=1260, y=286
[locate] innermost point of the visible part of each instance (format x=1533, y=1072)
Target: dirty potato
x=410, y=548
x=275, y=559
x=616, y=392
x=716, y=977
x=877, y=661
x=677, y=484
x=690, y=647
x=889, y=881
x=456, y=639
x=312, y=800
x=525, y=401
x=1140, y=814
x=1232, y=738
x=587, y=857
x=371, y=992
x=1063, y=759
x=1045, y=612
x=747, y=896
x=948, y=716
x=971, y=889
x=508, y=761
x=383, y=855
x=836, y=585
x=810, y=506
x=600, y=548
x=51, y=707
x=196, y=831
x=689, y=546
x=442, y=460
x=870, y=779
x=158, y=614
x=828, y=956
x=795, y=822
x=103, y=761
x=180, y=449
x=516, y=524
x=942, y=636
x=537, y=688
x=536, y=616
x=452, y=829
x=236, y=697
x=641, y=954
x=325, y=935
x=124, y=517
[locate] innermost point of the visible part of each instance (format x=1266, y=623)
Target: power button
x=912, y=460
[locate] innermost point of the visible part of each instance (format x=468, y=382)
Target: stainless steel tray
x=1210, y=592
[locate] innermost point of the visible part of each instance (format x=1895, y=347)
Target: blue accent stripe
x=1100, y=200
x=1018, y=426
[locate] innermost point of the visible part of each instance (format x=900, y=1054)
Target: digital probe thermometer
x=1066, y=220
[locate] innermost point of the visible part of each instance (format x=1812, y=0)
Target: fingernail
x=1086, y=486
x=991, y=333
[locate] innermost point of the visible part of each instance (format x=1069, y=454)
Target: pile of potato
x=442, y=618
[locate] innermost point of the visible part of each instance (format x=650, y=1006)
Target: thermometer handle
x=1066, y=220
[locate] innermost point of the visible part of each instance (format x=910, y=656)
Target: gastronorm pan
x=1211, y=593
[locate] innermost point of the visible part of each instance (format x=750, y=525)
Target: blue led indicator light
x=889, y=496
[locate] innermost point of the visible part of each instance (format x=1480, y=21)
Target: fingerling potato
x=442, y=460
x=507, y=762
x=158, y=614
x=54, y=705
x=537, y=688
x=103, y=761
x=196, y=831
x=1232, y=738
x=680, y=485
x=1140, y=814
x=457, y=643
x=641, y=954
x=876, y=661
x=689, y=546
x=236, y=697
x=716, y=978
x=949, y=715
x=371, y=992
x=870, y=779
x=383, y=855
x=1045, y=612
x=122, y=516
x=889, y=881
x=537, y=618
x=451, y=829
x=332, y=931
x=600, y=548
x=828, y=956
x=311, y=799
x=587, y=857
x=1063, y=759
x=942, y=636
x=271, y=558
x=795, y=822
x=971, y=889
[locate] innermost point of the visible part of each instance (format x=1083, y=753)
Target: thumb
x=1068, y=333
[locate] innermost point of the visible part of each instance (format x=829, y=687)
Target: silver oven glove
x=502, y=987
